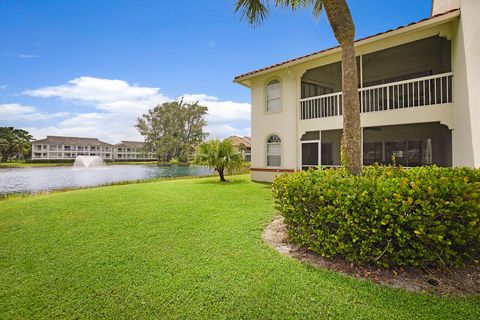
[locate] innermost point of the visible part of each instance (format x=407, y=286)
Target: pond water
x=38, y=179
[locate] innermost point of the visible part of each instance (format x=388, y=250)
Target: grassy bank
x=133, y=162
x=63, y=164
x=186, y=248
x=33, y=164
x=22, y=164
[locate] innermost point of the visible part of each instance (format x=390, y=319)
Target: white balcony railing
x=418, y=92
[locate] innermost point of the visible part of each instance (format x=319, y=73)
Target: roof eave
x=439, y=19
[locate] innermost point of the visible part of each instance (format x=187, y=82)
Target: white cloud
x=106, y=127
x=3, y=86
x=118, y=104
x=22, y=55
x=104, y=94
x=10, y=109
x=220, y=131
x=28, y=56
x=15, y=111
x=225, y=118
x=221, y=111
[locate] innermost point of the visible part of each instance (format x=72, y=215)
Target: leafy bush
x=387, y=216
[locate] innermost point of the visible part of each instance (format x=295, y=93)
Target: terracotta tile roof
x=329, y=49
x=237, y=141
x=79, y=141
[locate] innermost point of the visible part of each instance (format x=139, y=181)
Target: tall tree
x=173, y=129
x=218, y=155
x=338, y=13
x=13, y=142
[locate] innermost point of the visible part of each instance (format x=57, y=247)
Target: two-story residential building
x=132, y=150
x=419, y=91
x=68, y=148
x=242, y=145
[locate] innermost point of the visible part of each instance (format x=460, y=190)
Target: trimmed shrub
x=387, y=216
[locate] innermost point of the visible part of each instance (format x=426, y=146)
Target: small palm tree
x=218, y=155
x=338, y=13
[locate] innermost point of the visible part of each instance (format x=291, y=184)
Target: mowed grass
x=180, y=249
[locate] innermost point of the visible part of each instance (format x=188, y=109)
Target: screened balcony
x=412, y=75
x=408, y=145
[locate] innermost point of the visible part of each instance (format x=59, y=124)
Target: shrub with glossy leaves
x=388, y=216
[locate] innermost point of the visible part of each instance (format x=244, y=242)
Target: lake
x=39, y=179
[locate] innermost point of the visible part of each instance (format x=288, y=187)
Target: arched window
x=274, y=151
x=273, y=96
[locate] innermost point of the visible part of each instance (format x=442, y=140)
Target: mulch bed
x=459, y=282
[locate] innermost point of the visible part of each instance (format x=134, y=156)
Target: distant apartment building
x=244, y=146
x=132, y=150
x=68, y=148
x=65, y=148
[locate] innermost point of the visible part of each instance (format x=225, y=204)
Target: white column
x=361, y=145
x=361, y=71
x=319, y=148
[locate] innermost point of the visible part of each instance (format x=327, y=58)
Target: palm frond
x=254, y=11
x=317, y=8
x=293, y=4
x=219, y=155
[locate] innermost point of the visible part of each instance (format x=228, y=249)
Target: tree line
x=14, y=143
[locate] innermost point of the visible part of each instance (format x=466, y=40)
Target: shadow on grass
x=234, y=180
x=231, y=181
x=264, y=183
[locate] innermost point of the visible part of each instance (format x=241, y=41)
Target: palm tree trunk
x=222, y=176
x=341, y=21
x=351, y=110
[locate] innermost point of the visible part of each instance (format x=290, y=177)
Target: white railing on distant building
x=425, y=91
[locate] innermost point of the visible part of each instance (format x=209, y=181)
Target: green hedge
x=387, y=216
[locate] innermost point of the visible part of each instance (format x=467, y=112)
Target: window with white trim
x=274, y=151
x=273, y=96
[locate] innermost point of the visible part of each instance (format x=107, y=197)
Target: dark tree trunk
x=4, y=157
x=341, y=21
x=222, y=176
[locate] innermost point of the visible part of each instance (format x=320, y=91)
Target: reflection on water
x=31, y=180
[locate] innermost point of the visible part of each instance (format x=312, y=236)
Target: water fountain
x=88, y=162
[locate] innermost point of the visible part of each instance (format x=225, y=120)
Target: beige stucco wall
x=439, y=6
x=466, y=94
x=283, y=123
x=262, y=176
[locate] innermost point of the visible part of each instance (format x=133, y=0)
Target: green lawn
x=178, y=249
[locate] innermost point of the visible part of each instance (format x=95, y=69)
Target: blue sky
x=90, y=67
